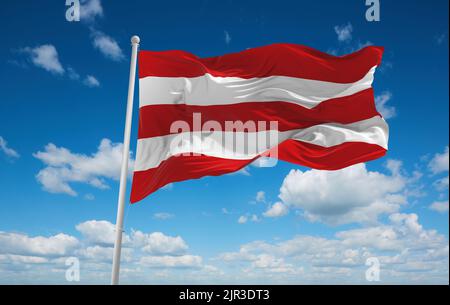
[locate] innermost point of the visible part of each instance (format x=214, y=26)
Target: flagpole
x=124, y=169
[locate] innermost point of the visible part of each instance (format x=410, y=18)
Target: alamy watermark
x=228, y=139
x=373, y=12
x=373, y=272
x=73, y=270
x=73, y=10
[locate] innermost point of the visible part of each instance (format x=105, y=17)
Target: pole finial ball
x=135, y=39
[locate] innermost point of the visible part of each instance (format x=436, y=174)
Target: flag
x=211, y=116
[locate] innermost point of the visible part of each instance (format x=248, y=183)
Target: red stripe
x=155, y=120
x=182, y=168
x=272, y=60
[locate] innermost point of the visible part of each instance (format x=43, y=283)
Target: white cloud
x=163, y=216
x=441, y=184
x=46, y=57
x=249, y=217
x=183, y=261
x=103, y=233
x=242, y=219
x=90, y=9
x=91, y=81
x=157, y=243
x=411, y=221
x=243, y=171
x=21, y=244
x=395, y=167
x=8, y=151
x=104, y=254
x=278, y=209
x=261, y=196
x=408, y=252
x=22, y=259
x=255, y=218
x=439, y=206
x=97, y=253
x=73, y=75
x=381, y=101
x=344, y=32
x=89, y=197
x=227, y=37
x=107, y=46
x=65, y=167
x=439, y=163
x=100, y=232
x=353, y=194
x=404, y=232
x=402, y=246
x=271, y=264
x=41, y=259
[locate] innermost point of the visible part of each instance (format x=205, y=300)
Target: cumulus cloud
x=90, y=10
x=98, y=232
x=107, y=45
x=21, y=244
x=91, y=81
x=260, y=196
x=353, y=194
x=381, y=101
x=245, y=218
x=89, y=197
x=255, y=218
x=439, y=206
x=22, y=259
x=272, y=264
x=8, y=151
x=407, y=251
x=103, y=233
x=278, y=209
x=439, y=163
x=72, y=74
x=96, y=253
x=401, y=246
x=183, y=261
x=64, y=167
x=441, y=184
x=45, y=57
x=242, y=219
x=25, y=255
x=157, y=243
x=344, y=32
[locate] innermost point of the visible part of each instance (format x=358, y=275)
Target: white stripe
x=243, y=146
x=210, y=90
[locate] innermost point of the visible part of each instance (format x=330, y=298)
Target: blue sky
x=66, y=83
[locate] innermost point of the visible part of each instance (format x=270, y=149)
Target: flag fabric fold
x=198, y=116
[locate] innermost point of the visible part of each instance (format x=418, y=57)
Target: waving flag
x=319, y=110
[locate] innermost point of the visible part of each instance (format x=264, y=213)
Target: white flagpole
x=124, y=170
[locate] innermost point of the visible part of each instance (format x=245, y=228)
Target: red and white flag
x=212, y=116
